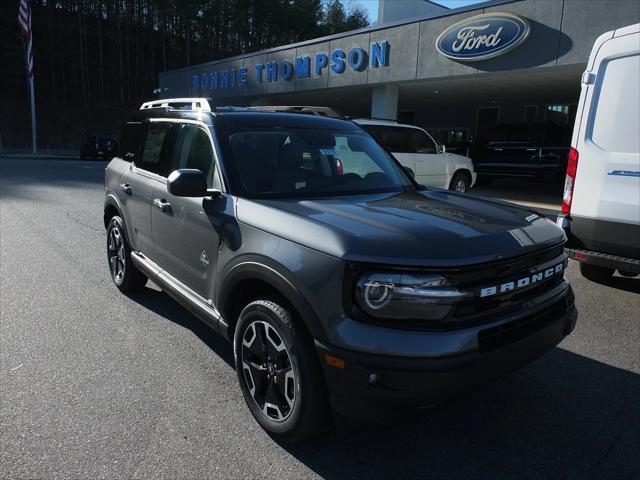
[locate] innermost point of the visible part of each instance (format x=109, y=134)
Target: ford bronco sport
x=348, y=287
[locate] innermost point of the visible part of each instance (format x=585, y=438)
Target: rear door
x=140, y=179
x=186, y=231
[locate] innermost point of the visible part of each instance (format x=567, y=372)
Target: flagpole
x=24, y=19
x=34, y=136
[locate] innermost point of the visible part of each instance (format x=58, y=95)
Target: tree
x=106, y=55
x=338, y=19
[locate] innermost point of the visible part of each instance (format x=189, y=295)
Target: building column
x=384, y=102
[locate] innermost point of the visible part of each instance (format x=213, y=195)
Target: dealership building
x=455, y=72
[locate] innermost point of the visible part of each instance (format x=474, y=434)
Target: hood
x=434, y=228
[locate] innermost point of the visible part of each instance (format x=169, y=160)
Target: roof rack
x=305, y=109
x=376, y=119
x=201, y=104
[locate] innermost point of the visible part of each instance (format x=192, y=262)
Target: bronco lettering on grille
x=522, y=282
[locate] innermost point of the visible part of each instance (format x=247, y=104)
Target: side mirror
x=187, y=182
x=409, y=172
x=442, y=149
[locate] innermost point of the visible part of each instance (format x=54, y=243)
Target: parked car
x=426, y=160
x=98, y=147
x=528, y=150
x=601, y=202
x=361, y=290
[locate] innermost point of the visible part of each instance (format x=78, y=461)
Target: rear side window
x=192, y=149
x=394, y=139
x=155, y=148
x=616, y=119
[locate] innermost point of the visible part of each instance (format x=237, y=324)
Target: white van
x=417, y=151
x=601, y=201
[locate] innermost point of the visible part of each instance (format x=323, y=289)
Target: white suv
x=416, y=150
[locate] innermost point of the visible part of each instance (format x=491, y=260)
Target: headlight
x=406, y=296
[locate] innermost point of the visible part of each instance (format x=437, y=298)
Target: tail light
x=339, y=167
x=570, y=180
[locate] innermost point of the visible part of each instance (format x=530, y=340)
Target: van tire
x=596, y=273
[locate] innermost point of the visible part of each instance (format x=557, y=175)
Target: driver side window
x=422, y=143
x=192, y=149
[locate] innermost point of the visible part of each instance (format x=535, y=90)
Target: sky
x=372, y=5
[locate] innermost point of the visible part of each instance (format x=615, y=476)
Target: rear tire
x=460, y=182
x=124, y=273
x=595, y=273
x=278, y=371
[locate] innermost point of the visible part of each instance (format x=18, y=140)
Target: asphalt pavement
x=96, y=384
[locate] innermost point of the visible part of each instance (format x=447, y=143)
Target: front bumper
x=374, y=381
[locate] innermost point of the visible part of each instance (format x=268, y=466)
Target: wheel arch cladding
x=466, y=172
x=251, y=280
x=111, y=209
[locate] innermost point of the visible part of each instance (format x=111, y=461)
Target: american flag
x=24, y=19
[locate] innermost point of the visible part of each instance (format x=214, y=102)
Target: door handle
x=126, y=188
x=163, y=205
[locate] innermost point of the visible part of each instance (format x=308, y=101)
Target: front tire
x=124, y=273
x=595, y=272
x=460, y=183
x=278, y=372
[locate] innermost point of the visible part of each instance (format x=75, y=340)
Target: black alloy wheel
x=268, y=371
x=279, y=373
x=123, y=272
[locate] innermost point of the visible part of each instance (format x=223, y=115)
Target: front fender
x=264, y=269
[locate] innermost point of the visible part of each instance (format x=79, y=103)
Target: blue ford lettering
x=356, y=59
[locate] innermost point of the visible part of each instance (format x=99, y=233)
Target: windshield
x=302, y=162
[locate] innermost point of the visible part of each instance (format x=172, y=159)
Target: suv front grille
x=498, y=272
x=502, y=335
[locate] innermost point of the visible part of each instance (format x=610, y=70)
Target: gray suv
x=340, y=281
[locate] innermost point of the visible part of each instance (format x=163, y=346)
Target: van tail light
x=570, y=180
x=339, y=167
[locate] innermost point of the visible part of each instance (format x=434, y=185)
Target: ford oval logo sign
x=483, y=36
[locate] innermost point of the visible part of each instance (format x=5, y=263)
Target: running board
x=200, y=307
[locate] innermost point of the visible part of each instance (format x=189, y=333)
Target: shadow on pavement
x=162, y=304
x=628, y=284
x=26, y=178
x=564, y=416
